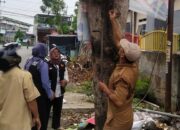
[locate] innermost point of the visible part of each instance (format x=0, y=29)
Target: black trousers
x=43, y=108
x=57, y=107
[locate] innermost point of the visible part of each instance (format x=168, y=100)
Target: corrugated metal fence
x=157, y=41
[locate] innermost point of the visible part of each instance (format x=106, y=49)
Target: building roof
x=62, y=35
x=48, y=15
x=15, y=21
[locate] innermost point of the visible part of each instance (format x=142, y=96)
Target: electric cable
x=20, y=9
x=25, y=1
x=150, y=79
x=17, y=13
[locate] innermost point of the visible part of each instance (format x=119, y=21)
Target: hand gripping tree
x=104, y=54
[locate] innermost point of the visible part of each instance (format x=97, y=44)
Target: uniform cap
x=131, y=50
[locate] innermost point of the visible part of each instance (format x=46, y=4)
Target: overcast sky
x=24, y=10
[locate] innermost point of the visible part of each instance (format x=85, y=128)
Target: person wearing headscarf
x=18, y=107
x=120, y=90
x=59, y=78
x=38, y=67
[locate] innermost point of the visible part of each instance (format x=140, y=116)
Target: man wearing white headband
x=120, y=90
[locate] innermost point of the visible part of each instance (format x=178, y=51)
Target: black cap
x=9, y=56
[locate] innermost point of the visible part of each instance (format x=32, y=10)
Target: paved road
x=25, y=54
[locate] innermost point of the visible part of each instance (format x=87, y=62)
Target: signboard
x=168, y=54
x=82, y=23
x=154, y=8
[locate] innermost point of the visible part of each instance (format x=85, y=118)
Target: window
x=160, y=25
x=128, y=27
x=141, y=29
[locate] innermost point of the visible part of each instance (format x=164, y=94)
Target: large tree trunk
x=104, y=53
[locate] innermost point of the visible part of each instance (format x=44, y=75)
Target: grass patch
x=84, y=87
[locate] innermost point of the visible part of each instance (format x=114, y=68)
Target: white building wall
x=129, y=17
x=177, y=5
x=177, y=17
x=139, y=22
x=8, y=28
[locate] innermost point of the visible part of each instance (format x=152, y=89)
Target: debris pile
x=142, y=121
x=79, y=72
x=149, y=121
x=71, y=119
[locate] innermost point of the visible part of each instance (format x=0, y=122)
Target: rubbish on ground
x=88, y=124
x=155, y=121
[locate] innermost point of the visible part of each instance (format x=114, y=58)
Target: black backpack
x=36, y=75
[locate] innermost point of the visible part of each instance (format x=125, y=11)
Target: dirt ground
x=76, y=100
x=75, y=109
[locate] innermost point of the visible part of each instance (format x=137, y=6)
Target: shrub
x=87, y=88
x=141, y=88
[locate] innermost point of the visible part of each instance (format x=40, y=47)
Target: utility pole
x=169, y=56
x=1, y=1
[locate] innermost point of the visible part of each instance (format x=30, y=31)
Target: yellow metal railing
x=157, y=41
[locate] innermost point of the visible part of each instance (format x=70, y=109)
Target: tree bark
x=104, y=53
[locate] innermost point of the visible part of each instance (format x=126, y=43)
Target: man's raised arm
x=116, y=29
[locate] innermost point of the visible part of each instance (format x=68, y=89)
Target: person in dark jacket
x=38, y=67
x=59, y=78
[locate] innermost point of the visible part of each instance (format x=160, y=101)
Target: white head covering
x=131, y=50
